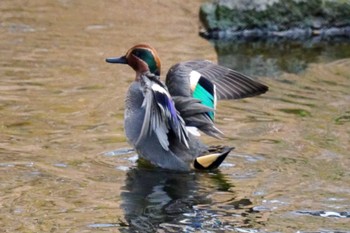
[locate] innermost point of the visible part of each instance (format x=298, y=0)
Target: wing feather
x=161, y=116
x=184, y=78
x=241, y=86
x=231, y=84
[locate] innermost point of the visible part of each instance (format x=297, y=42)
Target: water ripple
x=325, y=214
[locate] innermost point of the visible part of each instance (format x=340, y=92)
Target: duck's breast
x=134, y=113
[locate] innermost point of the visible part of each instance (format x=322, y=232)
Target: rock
x=292, y=19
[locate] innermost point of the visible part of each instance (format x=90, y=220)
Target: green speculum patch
x=206, y=98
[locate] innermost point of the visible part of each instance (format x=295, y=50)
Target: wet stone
x=292, y=19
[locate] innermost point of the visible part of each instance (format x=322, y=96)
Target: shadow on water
x=156, y=199
x=275, y=56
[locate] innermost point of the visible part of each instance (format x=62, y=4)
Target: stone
x=292, y=19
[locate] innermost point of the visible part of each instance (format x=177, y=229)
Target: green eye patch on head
x=147, y=56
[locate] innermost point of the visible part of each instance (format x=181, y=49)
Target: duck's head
x=141, y=58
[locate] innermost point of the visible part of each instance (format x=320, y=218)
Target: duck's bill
x=120, y=60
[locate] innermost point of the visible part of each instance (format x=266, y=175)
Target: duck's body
x=157, y=116
x=177, y=156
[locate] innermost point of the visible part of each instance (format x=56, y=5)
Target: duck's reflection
x=154, y=199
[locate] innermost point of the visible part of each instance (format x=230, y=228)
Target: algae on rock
x=285, y=18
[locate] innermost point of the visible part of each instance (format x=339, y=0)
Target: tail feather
x=212, y=160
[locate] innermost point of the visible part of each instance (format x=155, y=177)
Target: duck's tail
x=213, y=159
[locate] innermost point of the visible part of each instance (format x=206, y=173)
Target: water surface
x=276, y=56
x=61, y=121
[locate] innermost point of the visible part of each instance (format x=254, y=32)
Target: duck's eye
x=137, y=52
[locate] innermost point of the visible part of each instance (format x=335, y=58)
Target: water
x=65, y=165
x=276, y=56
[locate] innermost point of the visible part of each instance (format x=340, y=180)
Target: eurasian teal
x=161, y=121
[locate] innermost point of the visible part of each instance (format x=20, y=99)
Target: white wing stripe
x=194, y=78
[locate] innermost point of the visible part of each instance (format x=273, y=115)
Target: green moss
x=281, y=15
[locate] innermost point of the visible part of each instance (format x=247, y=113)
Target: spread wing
x=207, y=83
x=161, y=116
x=229, y=83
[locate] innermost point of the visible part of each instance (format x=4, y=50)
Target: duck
x=163, y=121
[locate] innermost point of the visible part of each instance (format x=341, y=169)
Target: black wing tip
x=259, y=89
x=235, y=85
x=262, y=89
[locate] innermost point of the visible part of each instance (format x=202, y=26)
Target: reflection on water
x=61, y=107
x=274, y=57
x=175, y=202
